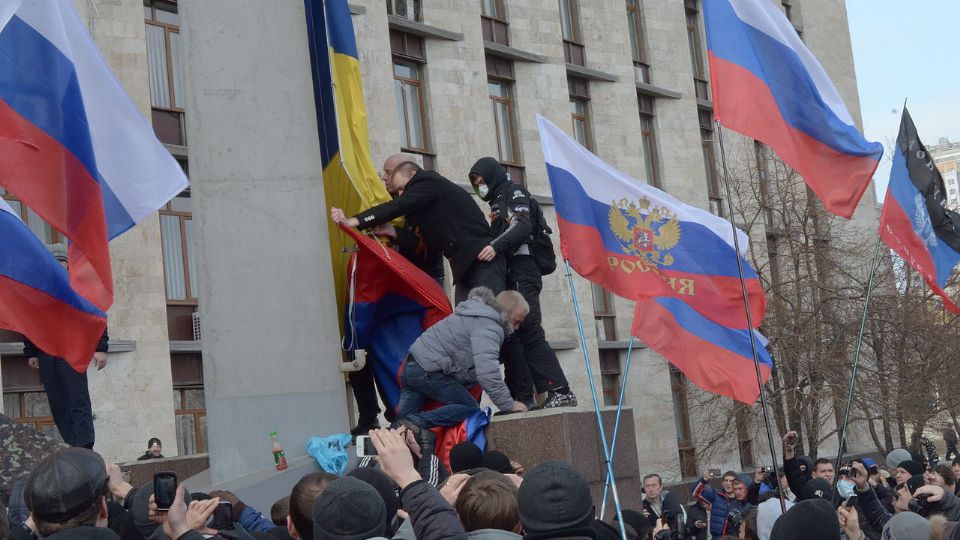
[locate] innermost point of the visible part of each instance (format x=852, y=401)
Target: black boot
x=363, y=426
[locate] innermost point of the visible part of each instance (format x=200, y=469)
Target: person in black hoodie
x=449, y=222
x=67, y=391
x=526, y=355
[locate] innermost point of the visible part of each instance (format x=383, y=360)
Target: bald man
x=450, y=222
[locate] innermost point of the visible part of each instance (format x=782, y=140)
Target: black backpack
x=543, y=253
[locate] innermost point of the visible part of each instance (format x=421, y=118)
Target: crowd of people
x=405, y=493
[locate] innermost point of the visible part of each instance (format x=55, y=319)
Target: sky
x=906, y=49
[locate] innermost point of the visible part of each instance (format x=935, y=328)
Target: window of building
x=408, y=62
x=24, y=399
x=610, y=376
x=695, y=43
x=189, y=403
x=572, y=35
x=408, y=9
x=763, y=176
x=179, y=250
x=648, y=141
x=165, y=70
x=493, y=19
x=500, y=86
x=681, y=416
x=579, y=90
x=710, y=162
x=41, y=228
x=792, y=11
x=638, y=44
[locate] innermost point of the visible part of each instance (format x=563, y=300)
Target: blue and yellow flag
x=350, y=180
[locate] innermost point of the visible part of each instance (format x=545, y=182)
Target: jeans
x=420, y=385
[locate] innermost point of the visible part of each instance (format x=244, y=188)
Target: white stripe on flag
x=767, y=18
x=605, y=184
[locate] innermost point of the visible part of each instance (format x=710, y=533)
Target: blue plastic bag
x=330, y=452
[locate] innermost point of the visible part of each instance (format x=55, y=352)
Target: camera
x=919, y=505
x=734, y=521
x=845, y=469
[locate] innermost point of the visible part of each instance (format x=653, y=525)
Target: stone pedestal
x=271, y=343
x=572, y=436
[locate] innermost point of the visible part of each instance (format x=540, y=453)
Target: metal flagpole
x=856, y=360
x=596, y=401
x=616, y=424
x=746, y=306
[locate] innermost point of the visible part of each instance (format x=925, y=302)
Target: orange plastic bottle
x=278, y=457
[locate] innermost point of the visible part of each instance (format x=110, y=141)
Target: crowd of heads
x=72, y=493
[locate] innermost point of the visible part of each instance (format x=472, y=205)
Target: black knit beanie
x=812, y=518
x=554, y=496
x=349, y=509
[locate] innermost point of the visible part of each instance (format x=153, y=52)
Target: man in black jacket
x=67, y=391
x=526, y=355
x=408, y=241
x=449, y=221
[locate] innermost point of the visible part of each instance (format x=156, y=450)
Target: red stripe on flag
x=896, y=230
x=707, y=365
x=55, y=327
x=744, y=103
x=719, y=298
x=54, y=183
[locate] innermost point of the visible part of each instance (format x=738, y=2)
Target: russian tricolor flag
x=915, y=223
x=677, y=261
x=640, y=242
x=714, y=357
x=36, y=299
x=73, y=146
x=769, y=86
x=390, y=303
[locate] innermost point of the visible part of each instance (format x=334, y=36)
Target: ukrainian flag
x=350, y=180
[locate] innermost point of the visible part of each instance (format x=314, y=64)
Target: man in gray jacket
x=457, y=352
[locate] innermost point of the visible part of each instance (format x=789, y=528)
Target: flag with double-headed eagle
x=677, y=261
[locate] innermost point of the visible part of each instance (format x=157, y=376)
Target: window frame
x=176, y=106
x=697, y=53
x=578, y=90
x=638, y=43
x=711, y=173
x=56, y=237
x=191, y=295
x=573, y=48
x=496, y=24
x=648, y=140
x=417, y=9
x=507, y=101
x=421, y=102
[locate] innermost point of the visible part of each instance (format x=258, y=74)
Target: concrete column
x=270, y=333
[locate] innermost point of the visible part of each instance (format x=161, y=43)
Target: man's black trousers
x=528, y=359
x=69, y=400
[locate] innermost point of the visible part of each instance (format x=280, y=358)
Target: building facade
x=451, y=81
x=946, y=155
